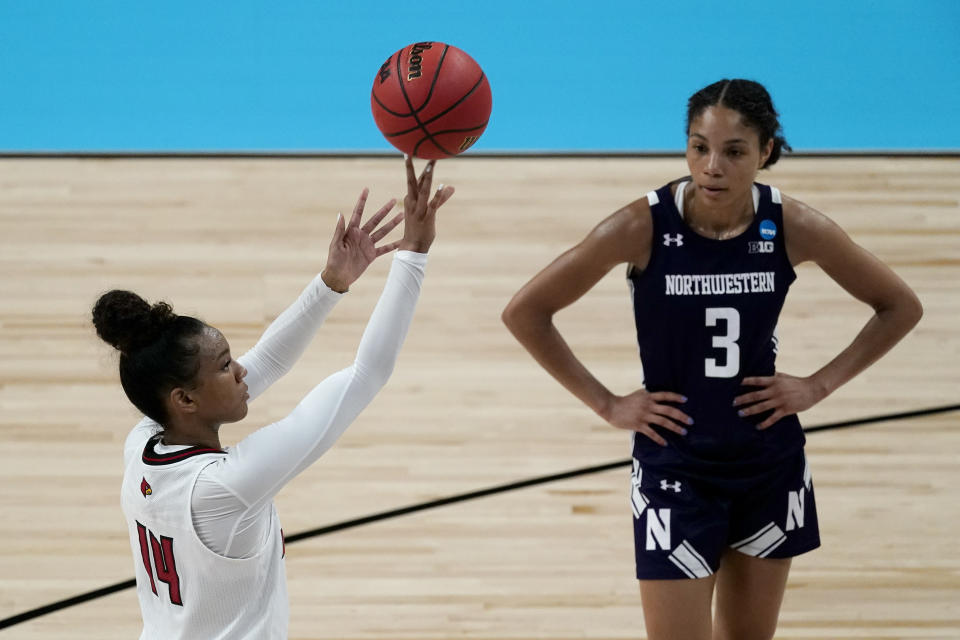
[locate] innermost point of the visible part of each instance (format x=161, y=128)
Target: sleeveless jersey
x=187, y=591
x=706, y=313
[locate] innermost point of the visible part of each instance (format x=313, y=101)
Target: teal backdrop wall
x=172, y=76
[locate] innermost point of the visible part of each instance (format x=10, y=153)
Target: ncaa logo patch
x=768, y=230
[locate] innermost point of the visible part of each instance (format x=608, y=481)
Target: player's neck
x=191, y=433
x=718, y=220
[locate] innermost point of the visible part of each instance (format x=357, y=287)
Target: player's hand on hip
x=782, y=393
x=641, y=411
x=420, y=208
x=354, y=247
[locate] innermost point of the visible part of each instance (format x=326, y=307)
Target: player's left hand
x=353, y=247
x=782, y=393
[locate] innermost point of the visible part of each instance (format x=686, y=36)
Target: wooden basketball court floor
x=234, y=240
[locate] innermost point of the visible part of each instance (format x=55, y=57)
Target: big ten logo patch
x=762, y=246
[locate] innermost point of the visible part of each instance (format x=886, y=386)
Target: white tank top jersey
x=206, y=540
x=185, y=589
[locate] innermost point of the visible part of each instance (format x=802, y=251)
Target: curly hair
x=158, y=349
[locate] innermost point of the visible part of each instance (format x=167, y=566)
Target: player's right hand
x=641, y=411
x=420, y=209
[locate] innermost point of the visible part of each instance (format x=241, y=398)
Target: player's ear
x=765, y=152
x=181, y=401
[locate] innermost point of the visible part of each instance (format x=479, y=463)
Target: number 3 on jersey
x=726, y=341
x=163, y=561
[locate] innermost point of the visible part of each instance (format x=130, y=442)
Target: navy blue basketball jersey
x=706, y=312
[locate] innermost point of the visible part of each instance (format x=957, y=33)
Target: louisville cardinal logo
x=145, y=487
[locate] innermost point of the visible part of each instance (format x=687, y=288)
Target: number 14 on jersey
x=163, y=561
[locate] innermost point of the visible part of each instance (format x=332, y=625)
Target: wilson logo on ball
x=431, y=100
x=384, y=72
x=416, y=59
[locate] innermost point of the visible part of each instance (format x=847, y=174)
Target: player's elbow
x=913, y=309
x=905, y=309
x=373, y=378
x=509, y=316
x=519, y=316
x=515, y=318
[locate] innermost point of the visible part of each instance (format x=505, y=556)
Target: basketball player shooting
x=206, y=539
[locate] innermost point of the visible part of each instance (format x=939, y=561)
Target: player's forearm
x=538, y=335
x=388, y=325
x=287, y=337
x=884, y=330
x=270, y=457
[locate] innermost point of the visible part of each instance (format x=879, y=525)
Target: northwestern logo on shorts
x=768, y=230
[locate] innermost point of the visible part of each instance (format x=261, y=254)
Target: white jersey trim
x=678, y=196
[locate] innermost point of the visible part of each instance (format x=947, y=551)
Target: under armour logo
x=675, y=485
x=676, y=241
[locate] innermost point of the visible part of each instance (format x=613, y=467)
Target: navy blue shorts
x=682, y=523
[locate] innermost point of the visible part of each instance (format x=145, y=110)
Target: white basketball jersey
x=187, y=591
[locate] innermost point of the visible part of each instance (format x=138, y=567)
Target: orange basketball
x=431, y=100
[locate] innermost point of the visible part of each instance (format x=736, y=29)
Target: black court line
x=69, y=602
x=461, y=497
x=884, y=418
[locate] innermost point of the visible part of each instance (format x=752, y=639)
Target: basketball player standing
x=721, y=492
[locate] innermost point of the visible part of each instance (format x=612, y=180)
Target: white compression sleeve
x=277, y=350
x=232, y=497
x=287, y=337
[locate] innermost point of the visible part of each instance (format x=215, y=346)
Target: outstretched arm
x=232, y=497
x=352, y=249
x=267, y=459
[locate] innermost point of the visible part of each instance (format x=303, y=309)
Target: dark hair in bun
x=158, y=349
